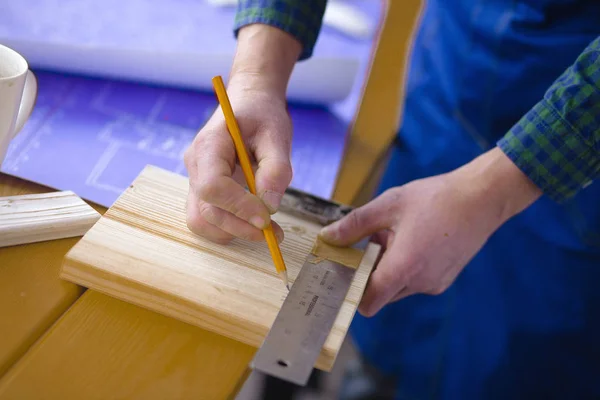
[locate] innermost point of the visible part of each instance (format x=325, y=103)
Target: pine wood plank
x=32, y=297
x=104, y=348
x=141, y=251
x=40, y=217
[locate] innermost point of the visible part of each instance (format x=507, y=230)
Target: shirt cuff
x=551, y=152
x=301, y=19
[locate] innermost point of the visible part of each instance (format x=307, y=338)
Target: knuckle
x=243, y=207
x=392, y=198
x=192, y=225
x=198, y=142
x=199, y=226
x=211, y=214
x=274, y=174
x=207, y=189
x=252, y=234
x=434, y=287
x=369, y=312
x=436, y=290
x=195, y=224
x=204, y=139
x=222, y=240
x=355, y=219
x=195, y=221
x=231, y=205
x=191, y=218
x=286, y=172
x=367, y=308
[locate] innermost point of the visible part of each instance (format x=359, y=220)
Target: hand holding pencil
x=219, y=208
x=246, y=166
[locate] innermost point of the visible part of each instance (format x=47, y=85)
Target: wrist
x=498, y=185
x=264, y=59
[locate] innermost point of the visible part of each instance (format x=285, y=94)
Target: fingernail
x=272, y=200
x=257, y=222
x=279, y=236
x=328, y=233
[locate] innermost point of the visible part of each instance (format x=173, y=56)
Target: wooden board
x=141, y=251
x=32, y=297
x=103, y=348
x=164, y=358
x=34, y=218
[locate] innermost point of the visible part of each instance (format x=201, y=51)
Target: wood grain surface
x=32, y=297
x=32, y=218
x=103, y=348
x=141, y=251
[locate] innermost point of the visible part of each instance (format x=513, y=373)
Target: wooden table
x=60, y=341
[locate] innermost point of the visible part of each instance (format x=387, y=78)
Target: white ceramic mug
x=18, y=92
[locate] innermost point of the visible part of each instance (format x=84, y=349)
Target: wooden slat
x=379, y=112
x=35, y=218
x=187, y=363
x=142, y=252
x=104, y=348
x=32, y=296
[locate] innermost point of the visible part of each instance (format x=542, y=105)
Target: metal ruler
x=295, y=340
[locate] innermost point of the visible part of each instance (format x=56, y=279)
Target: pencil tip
x=284, y=277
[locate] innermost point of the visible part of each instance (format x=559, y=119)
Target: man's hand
x=430, y=229
x=218, y=207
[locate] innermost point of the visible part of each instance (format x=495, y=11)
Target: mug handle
x=27, y=101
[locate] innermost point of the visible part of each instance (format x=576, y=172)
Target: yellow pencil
x=242, y=154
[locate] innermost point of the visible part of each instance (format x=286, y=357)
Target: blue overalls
x=522, y=321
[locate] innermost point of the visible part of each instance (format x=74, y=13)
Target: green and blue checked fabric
x=301, y=19
x=556, y=144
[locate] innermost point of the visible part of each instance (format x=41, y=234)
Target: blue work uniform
x=522, y=321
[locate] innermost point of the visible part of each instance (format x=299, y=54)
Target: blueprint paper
x=95, y=136
x=180, y=43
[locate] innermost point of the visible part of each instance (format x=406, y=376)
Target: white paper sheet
x=321, y=80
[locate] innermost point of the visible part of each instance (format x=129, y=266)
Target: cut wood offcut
x=47, y=216
x=141, y=251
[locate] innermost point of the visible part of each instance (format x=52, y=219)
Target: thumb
x=359, y=223
x=274, y=172
x=386, y=283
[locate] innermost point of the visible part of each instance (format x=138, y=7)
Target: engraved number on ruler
x=318, y=300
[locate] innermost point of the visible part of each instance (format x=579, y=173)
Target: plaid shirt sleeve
x=557, y=143
x=300, y=18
